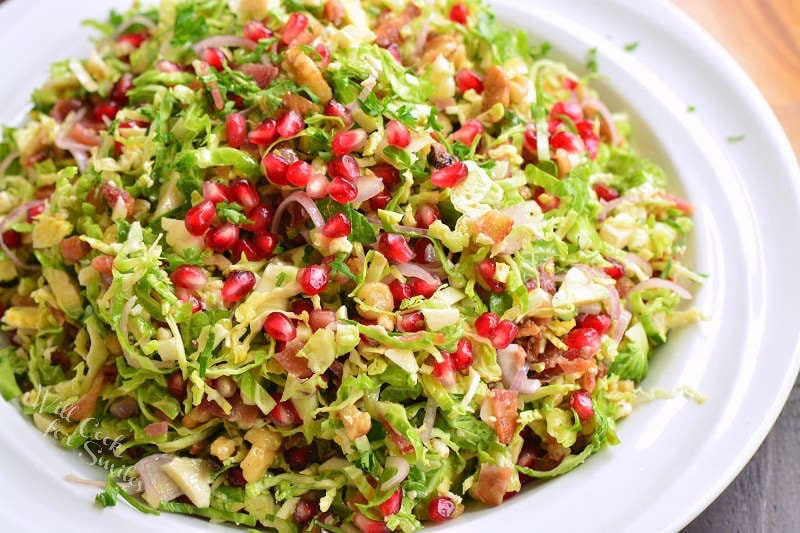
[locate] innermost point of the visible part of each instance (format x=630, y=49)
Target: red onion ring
x=523, y=384
x=658, y=283
x=413, y=270
x=607, y=207
x=141, y=20
x=614, y=306
x=428, y=421
x=593, y=106
x=306, y=203
x=511, y=359
x=638, y=261
x=9, y=219
x=79, y=151
x=368, y=186
x=403, y=468
x=620, y=325
x=228, y=41
x=157, y=485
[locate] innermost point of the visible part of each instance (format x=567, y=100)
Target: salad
x=329, y=265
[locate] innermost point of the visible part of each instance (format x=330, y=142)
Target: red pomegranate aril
x=569, y=109
x=444, y=370
x=297, y=24
x=134, y=40
x=244, y=193
x=565, y=140
x=105, y=111
x=275, y=168
x=462, y=357
x=324, y=55
x=223, y=237
x=235, y=129
x=284, y=414
x=614, y=271
x=298, y=173
x=459, y=13
x=487, y=269
x=400, y=291
x=305, y=510
x=119, y=93
x=244, y=247
x=344, y=166
x=441, y=508
x=604, y=192
x=264, y=134
x=12, y=239
x=298, y=458
x=198, y=218
x=599, y=323
x=389, y=175
x=320, y=318
x=34, y=211
x=468, y=132
x=260, y=217
x=395, y=247
x=367, y=525
x=467, y=79
x=290, y=124
x=380, y=200
x=582, y=342
x=214, y=57
x=486, y=324
x=392, y=505
x=547, y=202
x=280, y=327
x=397, y=134
x=302, y=305
x=336, y=109
x=235, y=477
x=342, y=190
x=504, y=334
x=189, y=277
x=345, y=142
x=266, y=244
x=426, y=215
x=337, y=226
x=581, y=402
x=255, y=31
x=237, y=285
x=176, y=385
x=424, y=251
x=317, y=186
x=449, y=176
x=411, y=322
x=422, y=288
x=215, y=192
x=313, y=279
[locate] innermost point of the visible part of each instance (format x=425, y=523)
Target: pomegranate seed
x=290, y=124
x=305, y=510
x=345, y=166
x=424, y=251
x=504, y=334
x=185, y=295
x=12, y=239
x=342, y=190
x=467, y=133
x=199, y=218
x=299, y=172
x=324, y=55
x=380, y=200
x=367, y=525
x=260, y=218
x=237, y=285
x=119, y=94
x=284, y=414
x=459, y=13
x=400, y=291
x=235, y=477
x=223, y=237
x=486, y=324
x=582, y=342
x=298, y=458
x=422, y=288
x=317, y=186
x=394, y=247
x=569, y=84
x=565, y=140
x=244, y=247
x=444, y=370
x=582, y=403
x=255, y=31
x=320, y=318
x=599, y=323
x=302, y=305
x=244, y=193
x=487, y=269
x=189, y=277
x=34, y=211
x=337, y=226
x=614, y=271
x=547, y=202
x=467, y=79
x=236, y=129
x=266, y=244
x=450, y=176
x=411, y=322
x=297, y=24
x=280, y=327
x=275, y=168
x=604, y=192
x=134, y=40
x=264, y=134
x=176, y=385
x=397, y=134
x=590, y=139
x=214, y=57
x=569, y=109
x=215, y=192
x=392, y=505
x=462, y=357
x=426, y=215
x=313, y=279
x=389, y=175
x=394, y=49
x=105, y=111
x=529, y=139
x=104, y=264
x=441, y=508
x=345, y=142
x=335, y=109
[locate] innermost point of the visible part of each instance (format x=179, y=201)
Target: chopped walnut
x=356, y=423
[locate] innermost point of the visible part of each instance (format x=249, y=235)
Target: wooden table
x=764, y=37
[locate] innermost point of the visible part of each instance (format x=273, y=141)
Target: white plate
x=675, y=456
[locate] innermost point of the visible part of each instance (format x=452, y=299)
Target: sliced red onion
x=658, y=283
x=306, y=202
x=96, y=483
x=156, y=429
x=413, y=270
x=7, y=161
x=139, y=19
x=158, y=487
x=368, y=85
x=593, y=106
x=79, y=151
x=511, y=359
x=620, y=325
x=607, y=207
x=429, y=420
x=228, y=41
x=523, y=384
x=368, y=186
x=422, y=38
x=487, y=411
x=614, y=306
x=10, y=219
x=520, y=213
x=640, y=262
x=401, y=466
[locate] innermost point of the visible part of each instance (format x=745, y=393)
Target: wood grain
x=764, y=37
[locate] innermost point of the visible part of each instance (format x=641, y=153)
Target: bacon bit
x=263, y=74
x=113, y=194
x=244, y=414
x=43, y=193
x=497, y=88
x=156, y=429
x=388, y=30
x=74, y=249
x=83, y=134
x=504, y=405
x=103, y=264
x=63, y=108
x=202, y=413
x=300, y=104
x=492, y=484
x=333, y=12
x=288, y=359
x=494, y=224
x=402, y=443
x=576, y=366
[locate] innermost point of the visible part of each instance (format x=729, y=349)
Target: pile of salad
x=329, y=265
